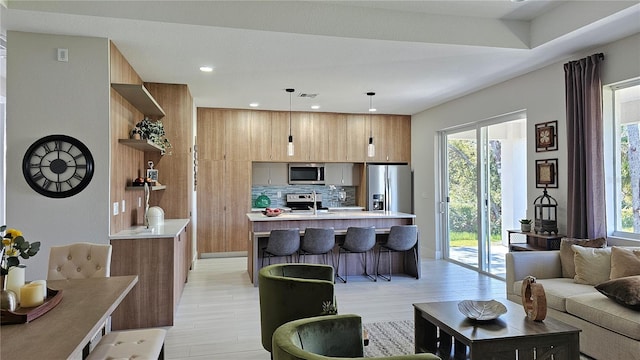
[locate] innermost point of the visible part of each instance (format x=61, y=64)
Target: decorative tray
x=24, y=315
x=481, y=310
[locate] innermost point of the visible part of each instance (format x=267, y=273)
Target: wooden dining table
x=66, y=330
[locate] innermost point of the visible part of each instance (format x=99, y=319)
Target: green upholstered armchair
x=326, y=337
x=290, y=292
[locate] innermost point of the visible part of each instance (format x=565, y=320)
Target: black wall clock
x=58, y=166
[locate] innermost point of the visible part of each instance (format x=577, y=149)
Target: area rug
x=389, y=338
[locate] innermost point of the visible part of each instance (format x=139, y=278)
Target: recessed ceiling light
x=315, y=107
x=373, y=110
x=254, y=104
x=206, y=68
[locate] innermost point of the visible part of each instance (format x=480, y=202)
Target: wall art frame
x=547, y=173
x=547, y=136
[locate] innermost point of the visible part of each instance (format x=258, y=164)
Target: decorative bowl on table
x=481, y=310
x=272, y=212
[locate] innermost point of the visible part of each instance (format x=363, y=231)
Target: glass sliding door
x=484, y=183
x=462, y=196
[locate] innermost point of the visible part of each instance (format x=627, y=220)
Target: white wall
x=47, y=97
x=541, y=94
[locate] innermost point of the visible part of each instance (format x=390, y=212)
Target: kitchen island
x=260, y=226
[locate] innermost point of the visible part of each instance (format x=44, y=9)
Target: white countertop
x=336, y=215
x=170, y=229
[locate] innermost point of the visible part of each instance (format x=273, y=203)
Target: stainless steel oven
x=306, y=173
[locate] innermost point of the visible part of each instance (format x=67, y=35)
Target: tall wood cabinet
x=224, y=178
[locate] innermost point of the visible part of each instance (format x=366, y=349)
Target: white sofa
x=610, y=331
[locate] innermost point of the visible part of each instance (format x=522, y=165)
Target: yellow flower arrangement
x=13, y=246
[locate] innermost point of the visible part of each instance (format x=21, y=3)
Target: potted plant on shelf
x=525, y=225
x=154, y=131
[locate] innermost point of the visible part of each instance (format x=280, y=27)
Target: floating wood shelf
x=144, y=145
x=140, y=98
x=153, y=188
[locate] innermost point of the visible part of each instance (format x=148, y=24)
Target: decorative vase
x=8, y=299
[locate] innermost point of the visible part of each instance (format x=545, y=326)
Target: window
x=625, y=156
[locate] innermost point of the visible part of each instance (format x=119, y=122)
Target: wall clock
x=58, y=166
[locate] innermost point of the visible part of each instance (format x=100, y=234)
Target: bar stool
x=357, y=240
x=401, y=238
x=284, y=242
x=317, y=241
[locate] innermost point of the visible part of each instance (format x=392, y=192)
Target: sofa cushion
x=593, y=266
x=599, y=310
x=624, y=262
x=566, y=253
x=557, y=291
x=625, y=291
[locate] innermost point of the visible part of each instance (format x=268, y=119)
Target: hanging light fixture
x=371, y=148
x=290, y=150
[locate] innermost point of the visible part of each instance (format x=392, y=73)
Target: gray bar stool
x=317, y=241
x=401, y=238
x=284, y=242
x=357, y=240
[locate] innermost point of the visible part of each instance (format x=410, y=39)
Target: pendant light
x=371, y=148
x=290, y=150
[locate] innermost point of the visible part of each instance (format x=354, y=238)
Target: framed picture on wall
x=547, y=136
x=547, y=173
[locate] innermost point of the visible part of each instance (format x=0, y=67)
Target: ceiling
x=413, y=54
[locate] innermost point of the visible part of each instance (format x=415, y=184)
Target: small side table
x=534, y=242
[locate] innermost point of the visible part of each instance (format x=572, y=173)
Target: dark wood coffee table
x=437, y=323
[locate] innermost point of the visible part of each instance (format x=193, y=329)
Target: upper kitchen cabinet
x=342, y=174
x=356, y=137
x=270, y=174
x=237, y=130
x=269, y=134
x=302, y=132
x=211, y=133
x=332, y=146
x=392, y=138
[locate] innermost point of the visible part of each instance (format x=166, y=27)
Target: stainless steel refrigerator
x=390, y=188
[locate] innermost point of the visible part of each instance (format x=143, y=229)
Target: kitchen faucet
x=315, y=203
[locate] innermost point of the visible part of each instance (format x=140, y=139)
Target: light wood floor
x=219, y=316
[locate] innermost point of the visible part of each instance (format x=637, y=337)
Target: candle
x=31, y=295
x=43, y=288
x=15, y=280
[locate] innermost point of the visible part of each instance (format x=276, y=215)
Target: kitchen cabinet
x=392, y=138
x=269, y=174
x=224, y=186
x=356, y=138
x=341, y=174
x=161, y=260
x=269, y=135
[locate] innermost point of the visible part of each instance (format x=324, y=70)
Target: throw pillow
x=593, y=266
x=624, y=262
x=566, y=253
x=624, y=291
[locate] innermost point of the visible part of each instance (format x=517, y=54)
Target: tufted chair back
x=79, y=261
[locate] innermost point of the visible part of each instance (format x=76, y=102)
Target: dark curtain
x=585, y=198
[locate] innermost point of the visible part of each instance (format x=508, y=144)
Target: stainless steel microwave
x=306, y=173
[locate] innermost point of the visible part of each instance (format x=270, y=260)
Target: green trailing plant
x=154, y=131
x=525, y=221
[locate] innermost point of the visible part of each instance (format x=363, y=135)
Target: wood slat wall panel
x=175, y=170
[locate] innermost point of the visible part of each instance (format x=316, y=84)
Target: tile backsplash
x=329, y=196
